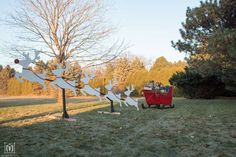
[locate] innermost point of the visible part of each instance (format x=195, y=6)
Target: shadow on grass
x=46, y=113
x=59, y=137
x=39, y=101
x=25, y=102
x=183, y=131
x=27, y=117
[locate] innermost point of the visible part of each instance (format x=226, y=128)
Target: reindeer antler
x=67, y=66
x=59, y=71
x=85, y=74
x=89, y=76
x=92, y=75
x=26, y=55
x=132, y=88
x=115, y=81
x=36, y=55
x=110, y=83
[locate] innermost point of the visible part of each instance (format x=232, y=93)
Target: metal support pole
x=112, y=106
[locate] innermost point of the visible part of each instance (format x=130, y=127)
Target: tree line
x=123, y=71
x=208, y=37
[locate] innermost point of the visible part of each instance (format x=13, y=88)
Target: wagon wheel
x=161, y=106
x=143, y=106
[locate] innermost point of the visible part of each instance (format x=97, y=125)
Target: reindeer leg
x=74, y=91
x=120, y=103
x=120, y=109
x=82, y=91
x=106, y=98
x=136, y=105
x=18, y=75
x=98, y=96
x=44, y=86
x=53, y=85
x=125, y=103
x=42, y=83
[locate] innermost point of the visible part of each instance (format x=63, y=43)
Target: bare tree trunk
x=61, y=100
x=59, y=96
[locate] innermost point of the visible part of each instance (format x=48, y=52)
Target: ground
x=193, y=128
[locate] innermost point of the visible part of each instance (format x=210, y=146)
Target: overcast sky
x=148, y=26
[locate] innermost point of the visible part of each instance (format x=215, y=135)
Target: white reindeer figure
x=59, y=81
x=28, y=74
x=111, y=96
x=87, y=88
x=130, y=101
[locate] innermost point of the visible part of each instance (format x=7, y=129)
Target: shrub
x=177, y=92
x=194, y=85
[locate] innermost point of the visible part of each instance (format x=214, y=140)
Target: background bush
x=194, y=85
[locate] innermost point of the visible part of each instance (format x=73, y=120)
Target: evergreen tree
x=209, y=37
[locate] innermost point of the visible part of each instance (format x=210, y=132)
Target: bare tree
x=67, y=31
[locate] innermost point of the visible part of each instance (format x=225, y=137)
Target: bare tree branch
x=67, y=30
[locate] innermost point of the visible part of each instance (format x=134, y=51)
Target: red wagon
x=161, y=100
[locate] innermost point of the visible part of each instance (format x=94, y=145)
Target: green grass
x=193, y=128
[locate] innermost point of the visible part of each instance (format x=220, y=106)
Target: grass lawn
x=194, y=128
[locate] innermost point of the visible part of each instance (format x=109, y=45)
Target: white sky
x=147, y=26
